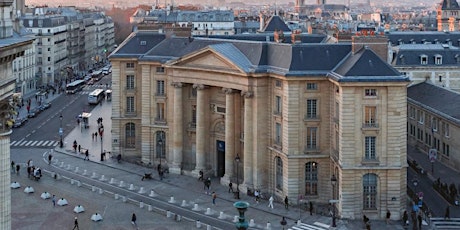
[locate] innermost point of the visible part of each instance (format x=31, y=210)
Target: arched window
x=311, y=178
x=160, y=144
x=369, y=191
x=279, y=173
x=130, y=135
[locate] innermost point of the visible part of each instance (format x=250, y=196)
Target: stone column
x=248, y=140
x=229, y=133
x=178, y=137
x=200, y=128
x=5, y=179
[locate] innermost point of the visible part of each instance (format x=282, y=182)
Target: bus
x=96, y=96
x=75, y=86
x=97, y=75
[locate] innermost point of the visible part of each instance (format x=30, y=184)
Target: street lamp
x=61, y=132
x=333, y=182
x=101, y=132
x=160, y=144
x=237, y=160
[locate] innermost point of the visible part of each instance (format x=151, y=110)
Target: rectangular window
x=370, y=92
x=130, y=104
x=160, y=88
x=278, y=105
x=412, y=112
x=311, y=108
x=160, y=111
x=423, y=60
x=420, y=116
x=445, y=149
x=369, y=148
x=438, y=60
x=445, y=128
x=130, y=65
x=129, y=81
x=278, y=83
x=312, y=86
x=369, y=191
x=278, y=136
x=312, y=138
x=370, y=116
x=193, y=115
x=434, y=125
x=160, y=69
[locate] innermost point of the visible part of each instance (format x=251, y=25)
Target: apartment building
x=286, y=118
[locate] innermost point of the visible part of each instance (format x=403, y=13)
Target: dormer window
x=438, y=59
x=370, y=92
x=457, y=58
x=423, y=59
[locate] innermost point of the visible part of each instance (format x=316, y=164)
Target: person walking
x=405, y=218
x=133, y=220
x=50, y=157
x=257, y=195
x=75, y=145
x=447, y=213
x=270, y=202
x=230, y=187
x=18, y=167
x=95, y=136
x=79, y=148
x=92, y=136
x=75, y=225
x=214, y=197
x=201, y=175
x=207, y=184
x=311, y=208
x=12, y=166
x=53, y=200
x=286, y=203
x=388, y=216
x=86, y=155
x=420, y=219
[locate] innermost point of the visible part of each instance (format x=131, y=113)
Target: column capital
x=199, y=86
x=177, y=84
x=247, y=94
x=228, y=90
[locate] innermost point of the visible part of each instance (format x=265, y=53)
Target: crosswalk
x=441, y=223
x=27, y=143
x=315, y=226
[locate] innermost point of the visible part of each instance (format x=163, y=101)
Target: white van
x=105, y=70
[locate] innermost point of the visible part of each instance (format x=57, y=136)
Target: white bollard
x=102, y=178
x=168, y=214
x=195, y=207
x=235, y=219
x=85, y=172
x=62, y=164
x=299, y=222
x=124, y=199
x=269, y=226
x=171, y=200
x=208, y=227
x=93, y=188
x=112, y=181
x=142, y=190
x=221, y=215
x=141, y=204
x=184, y=203
x=76, y=169
x=101, y=191
x=177, y=217
x=152, y=193
x=78, y=209
x=198, y=224
x=122, y=184
x=131, y=187
x=94, y=175
x=149, y=207
x=252, y=223
x=116, y=196
x=68, y=167
x=78, y=183
x=72, y=181
x=29, y=189
x=208, y=211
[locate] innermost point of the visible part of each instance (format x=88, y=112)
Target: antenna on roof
x=276, y=11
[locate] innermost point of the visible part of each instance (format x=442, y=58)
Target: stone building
x=282, y=118
x=448, y=15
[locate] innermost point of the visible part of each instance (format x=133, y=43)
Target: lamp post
x=160, y=143
x=101, y=132
x=333, y=182
x=237, y=160
x=61, y=132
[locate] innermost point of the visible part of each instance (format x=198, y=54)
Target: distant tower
x=448, y=15
x=320, y=2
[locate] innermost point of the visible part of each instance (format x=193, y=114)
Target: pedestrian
x=75, y=226
x=270, y=202
x=86, y=155
x=95, y=136
x=405, y=218
x=214, y=196
x=92, y=136
x=79, y=148
x=17, y=169
x=286, y=203
x=50, y=157
x=208, y=185
x=161, y=173
x=311, y=208
x=53, y=199
x=75, y=145
x=133, y=219
x=230, y=187
x=419, y=217
x=201, y=175
x=388, y=216
x=447, y=213
x=257, y=195
x=12, y=166
x=78, y=121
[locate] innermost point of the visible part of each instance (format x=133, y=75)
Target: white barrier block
x=152, y=193
x=15, y=185
x=221, y=215
x=168, y=214
x=96, y=217
x=184, y=203
x=208, y=211
x=29, y=189
x=45, y=195
x=85, y=172
x=93, y=188
x=141, y=204
x=142, y=190
x=102, y=178
x=77, y=169
x=68, y=167
x=150, y=208
x=62, y=202
x=171, y=200
x=195, y=207
x=122, y=184
x=116, y=196
x=94, y=175
x=269, y=226
x=235, y=219
x=101, y=191
x=252, y=223
x=112, y=181
x=131, y=187
x=198, y=224
x=78, y=209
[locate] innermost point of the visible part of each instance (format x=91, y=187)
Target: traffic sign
x=433, y=154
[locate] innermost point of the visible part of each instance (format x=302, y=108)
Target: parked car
x=19, y=122
x=47, y=105
x=91, y=82
x=31, y=114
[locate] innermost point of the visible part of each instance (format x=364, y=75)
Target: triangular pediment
x=208, y=58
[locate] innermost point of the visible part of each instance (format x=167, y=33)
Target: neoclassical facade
x=295, y=115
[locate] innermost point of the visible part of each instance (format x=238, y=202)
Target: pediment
x=207, y=59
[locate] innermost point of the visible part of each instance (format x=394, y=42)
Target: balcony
x=370, y=125
x=129, y=113
x=311, y=149
x=311, y=117
x=130, y=89
x=160, y=121
x=370, y=161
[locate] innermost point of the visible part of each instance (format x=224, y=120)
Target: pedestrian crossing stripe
x=42, y=143
x=303, y=226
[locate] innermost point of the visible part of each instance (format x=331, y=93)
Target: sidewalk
x=189, y=189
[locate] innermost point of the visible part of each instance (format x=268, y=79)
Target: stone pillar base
x=174, y=169
x=196, y=173
x=244, y=187
x=225, y=180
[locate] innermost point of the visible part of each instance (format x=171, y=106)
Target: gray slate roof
x=410, y=55
x=192, y=16
x=436, y=99
x=450, y=5
x=132, y=46
x=275, y=23
x=421, y=37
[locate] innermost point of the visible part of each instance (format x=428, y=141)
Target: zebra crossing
x=441, y=223
x=315, y=226
x=27, y=143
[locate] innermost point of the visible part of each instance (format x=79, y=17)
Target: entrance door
x=220, y=158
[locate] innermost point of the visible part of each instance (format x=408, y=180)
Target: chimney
x=262, y=21
x=378, y=44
